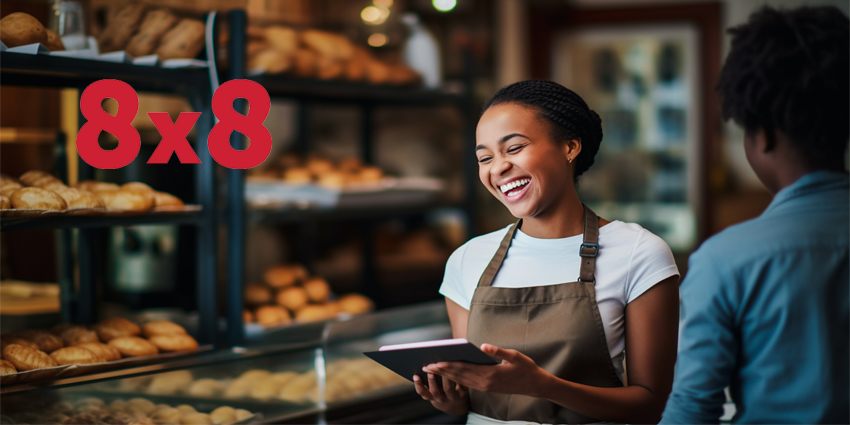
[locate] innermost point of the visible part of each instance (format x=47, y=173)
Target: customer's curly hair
x=570, y=116
x=789, y=70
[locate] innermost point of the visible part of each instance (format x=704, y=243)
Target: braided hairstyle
x=788, y=70
x=570, y=116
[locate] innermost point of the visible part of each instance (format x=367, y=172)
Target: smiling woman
x=562, y=345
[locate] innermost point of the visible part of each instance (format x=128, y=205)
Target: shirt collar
x=818, y=181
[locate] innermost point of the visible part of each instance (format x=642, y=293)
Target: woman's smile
x=514, y=189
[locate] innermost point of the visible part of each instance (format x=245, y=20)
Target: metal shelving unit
x=192, y=83
x=311, y=91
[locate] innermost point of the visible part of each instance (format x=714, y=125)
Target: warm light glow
x=444, y=5
x=374, y=15
x=377, y=39
x=383, y=3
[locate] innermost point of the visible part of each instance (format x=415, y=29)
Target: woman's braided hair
x=570, y=116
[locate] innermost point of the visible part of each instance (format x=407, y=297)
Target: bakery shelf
x=52, y=71
x=87, y=221
x=264, y=216
x=336, y=91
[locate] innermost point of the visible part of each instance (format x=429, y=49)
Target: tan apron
x=558, y=326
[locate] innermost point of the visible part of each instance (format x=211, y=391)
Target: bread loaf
x=33, y=198
x=54, y=41
x=20, y=29
x=185, y=40
x=121, y=26
x=155, y=24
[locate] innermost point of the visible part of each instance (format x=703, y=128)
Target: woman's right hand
x=450, y=397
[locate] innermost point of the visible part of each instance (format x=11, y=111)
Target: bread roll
x=272, y=315
x=270, y=60
x=127, y=200
x=279, y=276
x=166, y=200
x=329, y=45
x=20, y=29
x=185, y=40
x=5, y=203
x=46, y=341
x=25, y=358
x=247, y=316
x=297, y=175
x=167, y=416
x=136, y=186
x=162, y=327
x=370, y=174
x=75, y=355
x=377, y=72
x=133, y=346
x=170, y=383
x=195, y=418
x=256, y=294
x=174, y=342
x=115, y=327
x=77, y=199
x=242, y=414
x=142, y=405
x=10, y=184
x=78, y=333
x=306, y=61
x=30, y=177
x=153, y=27
x=7, y=368
x=355, y=304
x=313, y=313
x=224, y=415
x=104, y=351
x=122, y=25
x=319, y=166
x=206, y=388
x=54, y=41
x=317, y=289
x=292, y=298
x=96, y=186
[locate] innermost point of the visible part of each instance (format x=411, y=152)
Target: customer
x=765, y=303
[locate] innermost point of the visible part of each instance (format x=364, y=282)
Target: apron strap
x=496, y=263
x=590, y=246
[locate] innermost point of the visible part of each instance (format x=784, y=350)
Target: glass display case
x=326, y=379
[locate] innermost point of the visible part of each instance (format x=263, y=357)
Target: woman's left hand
x=517, y=374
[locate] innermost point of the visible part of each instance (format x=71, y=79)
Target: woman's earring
x=571, y=160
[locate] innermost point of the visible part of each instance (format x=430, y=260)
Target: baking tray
x=77, y=370
x=20, y=213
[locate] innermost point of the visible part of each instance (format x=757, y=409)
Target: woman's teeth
x=514, y=184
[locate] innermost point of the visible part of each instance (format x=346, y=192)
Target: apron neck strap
x=588, y=251
x=590, y=246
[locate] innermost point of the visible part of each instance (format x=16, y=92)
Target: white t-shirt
x=631, y=260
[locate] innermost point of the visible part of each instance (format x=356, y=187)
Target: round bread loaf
x=133, y=346
x=127, y=200
x=272, y=315
x=33, y=198
x=317, y=289
x=162, y=327
x=280, y=276
x=355, y=304
x=20, y=29
x=292, y=298
x=75, y=355
x=80, y=199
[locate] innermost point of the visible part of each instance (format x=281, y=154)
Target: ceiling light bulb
x=377, y=39
x=444, y=5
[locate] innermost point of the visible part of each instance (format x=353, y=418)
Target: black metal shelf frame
x=193, y=84
x=367, y=97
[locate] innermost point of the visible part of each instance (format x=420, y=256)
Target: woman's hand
x=517, y=374
x=448, y=396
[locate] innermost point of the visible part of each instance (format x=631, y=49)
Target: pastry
x=282, y=38
x=170, y=383
x=256, y=294
x=318, y=166
x=350, y=165
x=279, y=276
x=238, y=388
x=167, y=416
x=162, y=327
x=328, y=69
x=127, y=200
x=328, y=45
x=300, y=388
x=120, y=27
x=166, y=200
x=54, y=41
x=247, y=316
x=185, y=408
x=174, y=342
x=104, y=351
x=7, y=368
x=265, y=389
x=33, y=198
x=49, y=182
x=224, y=415
x=333, y=179
x=96, y=186
x=370, y=174
x=8, y=193
x=77, y=333
x=297, y=175
x=136, y=186
x=272, y=315
x=12, y=339
x=270, y=60
x=292, y=298
x=25, y=358
x=75, y=355
x=10, y=184
x=115, y=327
x=76, y=198
x=142, y=405
x=377, y=72
x=253, y=374
x=300, y=272
x=206, y=388
x=46, y=341
x=355, y=304
x=20, y=29
x=153, y=27
x=317, y=290
x=133, y=346
x=5, y=203
x=313, y=313
x=185, y=40
x=196, y=418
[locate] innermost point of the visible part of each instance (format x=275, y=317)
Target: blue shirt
x=766, y=311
